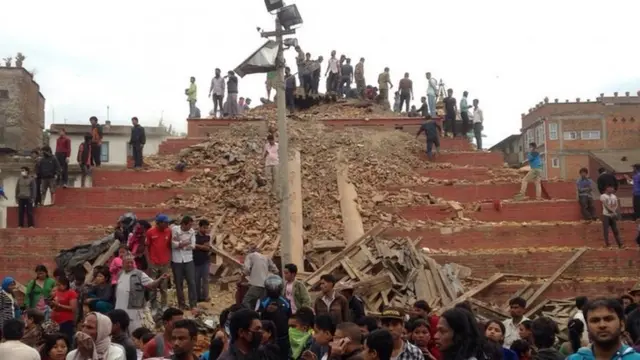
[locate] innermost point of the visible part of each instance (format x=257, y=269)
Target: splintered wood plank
x=435, y=274
x=473, y=292
x=555, y=276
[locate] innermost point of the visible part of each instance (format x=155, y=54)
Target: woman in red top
x=64, y=304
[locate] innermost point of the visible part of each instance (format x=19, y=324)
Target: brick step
x=173, y=146
x=486, y=192
x=23, y=249
x=472, y=174
x=72, y=217
x=126, y=177
x=501, y=292
x=497, y=236
x=518, y=211
x=491, y=160
x=113, y=196
x=599, y=262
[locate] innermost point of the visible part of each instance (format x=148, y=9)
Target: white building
x=115, y=141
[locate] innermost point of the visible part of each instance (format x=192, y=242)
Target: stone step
x=127, y=177
x=72, y=217
x=487, y=192
x=173, y=146
x=518, y=211
x=513, y=236
x=472, y=174
x=113, y=196
x=491, y=160
x=544, y=262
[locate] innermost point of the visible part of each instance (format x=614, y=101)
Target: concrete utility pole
x=283, y=143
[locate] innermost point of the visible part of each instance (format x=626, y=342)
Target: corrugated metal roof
x=620, y=161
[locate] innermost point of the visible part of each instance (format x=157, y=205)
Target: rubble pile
x=340, y=109
x=232, y=180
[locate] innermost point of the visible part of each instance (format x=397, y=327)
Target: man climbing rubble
x=534, y=175
x=257, y=267
x=432, y=131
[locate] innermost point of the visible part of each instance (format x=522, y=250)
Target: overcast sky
x=137, y=56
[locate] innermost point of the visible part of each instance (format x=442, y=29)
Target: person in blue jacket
x=605, y=324
x=535, y=173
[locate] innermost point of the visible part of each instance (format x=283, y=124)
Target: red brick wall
x=482, y=192
x=601, y=262
x=104, y=178
x=559, y=109
x=108, y=197
x=472, y=159
x=23, y=249
x=517, y=236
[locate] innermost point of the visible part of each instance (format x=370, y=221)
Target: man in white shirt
x=183, y=241
x=517, y=307
x=610, y=215
x=216, y=92
x=478, y=120
x=271, y=163
x=333, y=70
x=432, y=92
x=12, y=348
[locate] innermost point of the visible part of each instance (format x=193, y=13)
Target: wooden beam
x=330, y=265
x=213, y=235
x=351, y=219
x=296, y=250
x=555, y=276
x=537, y=308
x=494, y=310
x=473, y=292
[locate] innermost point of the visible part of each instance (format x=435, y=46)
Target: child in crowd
x=141, y=336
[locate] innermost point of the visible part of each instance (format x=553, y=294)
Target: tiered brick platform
x=510, y=242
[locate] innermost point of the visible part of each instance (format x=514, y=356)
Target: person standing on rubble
x=183, y=242
x=478, y=120
x=271, y=163
x=96, y=141
x=25, y=195
x=257, y=267
x=606, y=178
x=192, y=97
x=432, y=93
x=232, y=92
x=610, y=215
x=289, y=89
x=450, y=110
x=63, y=152
x=216, y=92
x=346, y=77
x=300, y=63
x=316, y=70
x=333, y=70
x=585, y=195
x=517, y=307
x=384, y=84
x=464, y=113
x=534, y=175
x=137, y=141
x=358, y=76
x=158, y=252
x=48, y=169
x=202, y=260
x=406, y=92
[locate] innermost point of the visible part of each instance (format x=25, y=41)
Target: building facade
x=573, y=135
x=115, y=142
x=21, y=110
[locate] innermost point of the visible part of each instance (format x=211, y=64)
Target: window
x=540, y=135
x=529, y=137
x=570, y=135
x=590, y=135
x=4, y=94
x=104, y=152
x=555, y=162
x=553, y=131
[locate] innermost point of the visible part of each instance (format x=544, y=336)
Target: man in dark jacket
x=120, y=333
x=137, y=141
x=605, y=179
x=96, y=141
x=246, y=334
x=47, y=170
x=26, y=191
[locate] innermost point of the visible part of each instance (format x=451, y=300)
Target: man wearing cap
x=392, y=320
x=158, y=252
x=635, y=293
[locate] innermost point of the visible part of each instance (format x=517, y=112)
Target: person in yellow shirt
x=192, y=97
